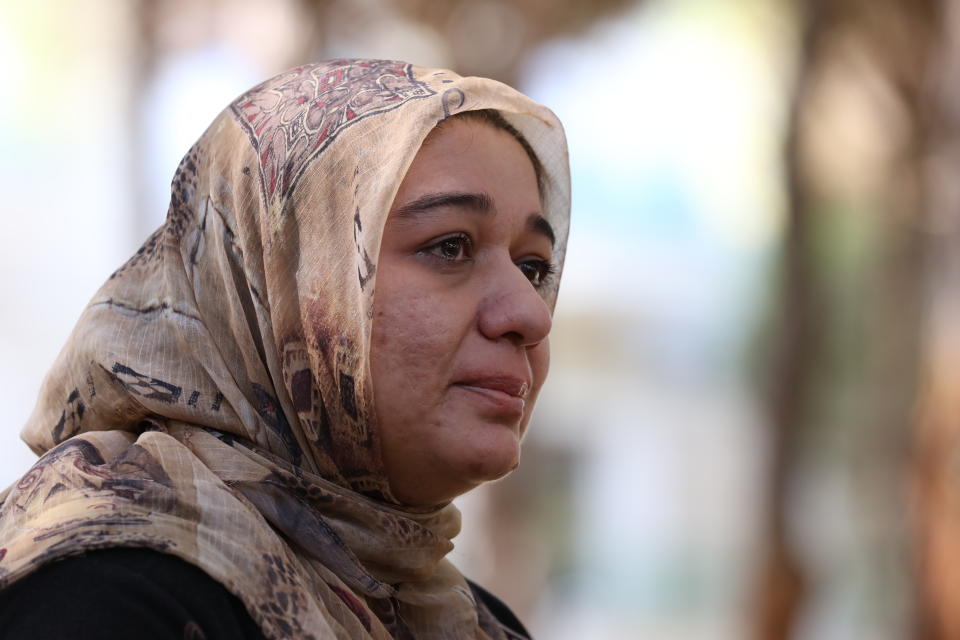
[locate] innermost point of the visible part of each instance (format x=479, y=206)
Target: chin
x=488, y=458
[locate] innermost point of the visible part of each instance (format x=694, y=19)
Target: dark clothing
x=501, y=612
x=142, y=594
x=123, y=593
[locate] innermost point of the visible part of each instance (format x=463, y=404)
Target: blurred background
x=751, y=426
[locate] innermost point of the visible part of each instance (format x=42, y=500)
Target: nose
x=513, y=309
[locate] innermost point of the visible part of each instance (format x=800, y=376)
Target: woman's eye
x=452, y=249
x=538, y=272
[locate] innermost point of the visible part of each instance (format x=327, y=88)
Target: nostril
x=514, y=336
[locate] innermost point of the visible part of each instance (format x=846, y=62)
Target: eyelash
x=463, y=245
x=542, y=274
x=538, y=272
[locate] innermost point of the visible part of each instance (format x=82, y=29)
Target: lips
x=502, y=395
x=516, y=387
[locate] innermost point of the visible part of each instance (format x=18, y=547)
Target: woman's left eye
x=538, y=272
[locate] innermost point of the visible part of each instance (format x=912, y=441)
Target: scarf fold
x=214, y=401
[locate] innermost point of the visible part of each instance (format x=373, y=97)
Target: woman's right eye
x=451, y=249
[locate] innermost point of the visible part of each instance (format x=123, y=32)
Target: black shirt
x=142, y=594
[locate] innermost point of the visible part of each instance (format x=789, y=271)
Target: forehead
x=474, y=155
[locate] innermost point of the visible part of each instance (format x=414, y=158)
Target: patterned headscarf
x=214, y=401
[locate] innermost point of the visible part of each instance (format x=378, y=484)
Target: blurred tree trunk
x=846, y=343
x=781, y=583
x=144, y=57
x=936, y=472
x=491, y=38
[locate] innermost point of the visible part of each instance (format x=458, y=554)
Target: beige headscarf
x=214, y=401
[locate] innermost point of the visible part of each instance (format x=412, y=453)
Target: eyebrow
x=479, y=202
x=538, y=224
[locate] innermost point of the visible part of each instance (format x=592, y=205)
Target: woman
x=341, y=326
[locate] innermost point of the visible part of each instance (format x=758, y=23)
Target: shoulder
x=505, y=617
x=122, y=593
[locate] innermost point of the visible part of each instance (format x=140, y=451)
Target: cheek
x=539, y=363
x=412, y=339
x=539, y=359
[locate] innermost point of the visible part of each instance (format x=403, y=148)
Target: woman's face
x=459, y=349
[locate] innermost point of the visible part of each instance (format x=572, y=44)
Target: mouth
x=503, y=396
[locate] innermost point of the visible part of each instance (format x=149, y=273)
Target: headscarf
x=214, y=401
